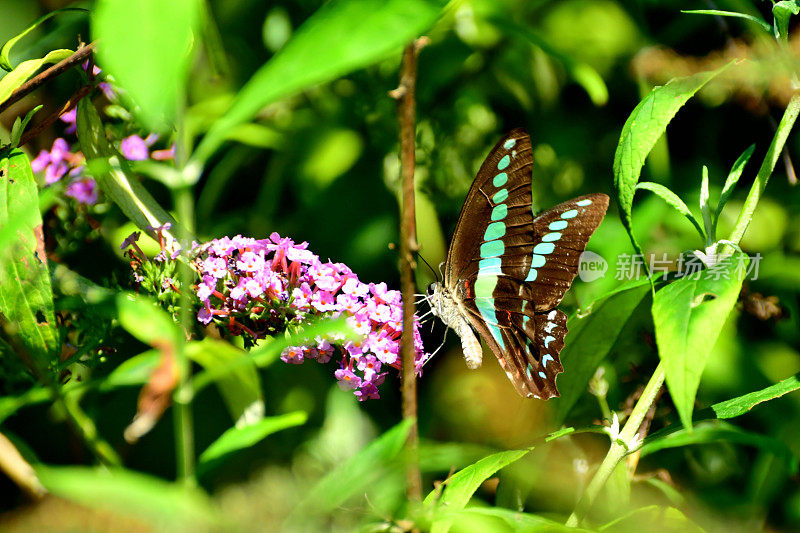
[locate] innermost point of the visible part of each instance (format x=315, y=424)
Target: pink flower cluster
x=264, y=287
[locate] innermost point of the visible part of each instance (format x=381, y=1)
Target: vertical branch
x=406, y=110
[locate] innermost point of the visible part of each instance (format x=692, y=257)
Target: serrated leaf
x=151, y=58
x=732, y=180
x=591, y=336
x=114, y=176
x=717, y=431
x=162, y=504
x=742, y=404
x=326, y=46
x=674, y=200
x=235, y=439
x=645, y=125
x=716, y=12
x=26, y=297
x=5, y=51
x=688, y=316
x=462, y=485
x=26, y=69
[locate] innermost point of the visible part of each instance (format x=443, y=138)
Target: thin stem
x=408, y=246
x=32, y=84
x=47, y=122
x=183, y=200
x=619, y=448
x=767, y=166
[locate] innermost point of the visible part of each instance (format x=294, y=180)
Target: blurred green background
x=322, y=166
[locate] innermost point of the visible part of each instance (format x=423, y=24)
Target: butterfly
x=507, y=270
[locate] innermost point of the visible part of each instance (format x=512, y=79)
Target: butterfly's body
x=506, y=271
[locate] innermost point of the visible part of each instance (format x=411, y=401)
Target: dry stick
x=43, y=125
x=404, y=95
x=32, y=84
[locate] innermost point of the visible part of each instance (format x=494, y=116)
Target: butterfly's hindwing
x=507, y=270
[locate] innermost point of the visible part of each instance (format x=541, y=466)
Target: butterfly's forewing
x=507, y=270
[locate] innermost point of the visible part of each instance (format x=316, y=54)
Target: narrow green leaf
x=742, y=404
x=758, y=20
x=326, y=46
x=705, y=209
x=782, y=11
x=143, y=497
x=151, y=58
x=241, y=387
x=591, y=337
x=145, y=320
x=26, y=297
x=235, y=439
x=672, y=199
x=688, y=316
x=718, y=431
x=644, y=127
x=20, y=124
x=660, y=518
x=356, y=474
x=132, y=372
x=463, y=484
x=516, y=521
x=5, y=51
x=732, y=180
x=115, y=177
x=26, y=69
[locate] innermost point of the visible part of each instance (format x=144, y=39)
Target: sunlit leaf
x=146, y=321
x=719, y=13
x=515, y=520
x=782, y=11
x=732, y=180
x=688, y=316
x=653, y=518
x=645, y=125
x=591, y=336
x=672, y=199
x=5, y=51
x=326, y=46
x=126, y=492
x=26, y=297
x=235, y=439
x=151, y=58
x=742, y=404
x=26, y=69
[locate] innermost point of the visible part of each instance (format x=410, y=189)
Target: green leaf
x=151, y=58
x=463, y=484
x=26, y=69
x=584, y=75
x=26, y=297
x=672, y=199
x=114, y=175
x=166, y=505
x=236, y=439
x=20, y=124
x=705, y=209
x=782, y=12
x=356, y=474
x=144, y=319
x=758, y=20
x=135, y=371
x=688, y=316
x=717, y=431
x=241, y=387
x=732, y=180
x=644, y=127
x=5, y=51
x=328, y=45
x=516, y=521
x=591, y=337
x=652, y=518
x=742, y=404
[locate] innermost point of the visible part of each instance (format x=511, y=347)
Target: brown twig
x=633, y=459
x=44, y=124
x=32, y=84
x=406, y=111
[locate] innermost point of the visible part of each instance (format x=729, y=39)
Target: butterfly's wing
x=507, y=270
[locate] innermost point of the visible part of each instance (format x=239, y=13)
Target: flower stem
x=618, y=448
x=767, y=166
x=406, y=109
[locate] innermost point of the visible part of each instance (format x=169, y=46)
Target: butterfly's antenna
x=429, y=266
x=441, y=271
